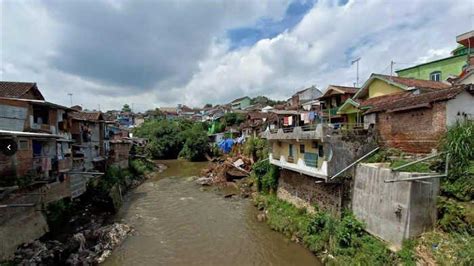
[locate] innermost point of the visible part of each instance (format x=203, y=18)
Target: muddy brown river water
x=177, y=223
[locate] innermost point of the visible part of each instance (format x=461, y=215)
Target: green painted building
x=442, y=69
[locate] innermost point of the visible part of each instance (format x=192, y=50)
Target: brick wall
x=302, y=191
x=415, y=131
x=119, y=154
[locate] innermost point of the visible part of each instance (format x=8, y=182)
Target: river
x=179, y=223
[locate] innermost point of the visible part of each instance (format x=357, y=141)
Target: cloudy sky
x=160, y=53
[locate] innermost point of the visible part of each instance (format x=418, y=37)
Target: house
x=304, y=96
x=125, y=119
x=241, y=103
x=467, y=77
x=408, y=114
x=88, y=132
x=169, y=112
x=38, y=128
x=415, y=122
x=256, y=122
x=310, y=155
x=331, y=100
x=39, y=171
x=185, y=111
x=442, y=69
x=381, y=85
x=267, y=109
x=119, y=153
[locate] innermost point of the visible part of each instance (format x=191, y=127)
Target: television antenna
x=356, y=61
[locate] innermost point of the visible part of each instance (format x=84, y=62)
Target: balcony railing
x=309, y=165
x=310, y=131
x=330, y=111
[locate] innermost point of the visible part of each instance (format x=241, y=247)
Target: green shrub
x=267, y=176
x=233, y=119
x=350, y=229
x=452, y=216
x=196, y=144
x=407, y=254
x=257, y=148
x=139, y=167
x=344, y=238
x=58, y=213
x=459, y=143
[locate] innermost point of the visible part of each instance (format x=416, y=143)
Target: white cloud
x=317, y=51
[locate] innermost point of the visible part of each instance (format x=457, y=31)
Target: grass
x=392, y=156
x=447, y=248
x=337, y=241
x=420, y=167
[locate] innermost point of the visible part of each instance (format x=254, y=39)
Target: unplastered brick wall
x=414, y=131
x=305, y=192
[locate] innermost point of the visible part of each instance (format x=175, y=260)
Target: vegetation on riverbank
x=170, y=139
x=336, y=241
x=458, y=142
x=80, y=230
x=452, y=241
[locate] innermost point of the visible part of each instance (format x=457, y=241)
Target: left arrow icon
x=8, y=147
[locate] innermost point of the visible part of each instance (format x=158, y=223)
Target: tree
x=170, y=139
x=126, y=108
x=233, y=119
x=207, y=105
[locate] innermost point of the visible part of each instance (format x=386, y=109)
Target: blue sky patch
x=269, y=28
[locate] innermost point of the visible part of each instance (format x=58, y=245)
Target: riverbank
x=178, y=222
x=82, y=231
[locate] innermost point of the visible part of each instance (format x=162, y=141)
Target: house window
x=435, y=76
x=23, y=145
x=290, y=150
x=301, y=148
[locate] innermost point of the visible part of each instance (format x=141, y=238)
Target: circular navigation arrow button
x=8, y=147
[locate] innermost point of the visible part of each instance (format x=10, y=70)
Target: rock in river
x=204, y=181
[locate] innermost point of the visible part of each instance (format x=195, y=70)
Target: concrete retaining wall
x=27, y=225
x=393, y=211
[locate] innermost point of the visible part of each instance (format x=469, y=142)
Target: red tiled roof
x=416, y=83
x=377, y=101
x=87, y=116
x=9, y=89
x=406, y=100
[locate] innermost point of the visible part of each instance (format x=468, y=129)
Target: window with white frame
x=435, y=76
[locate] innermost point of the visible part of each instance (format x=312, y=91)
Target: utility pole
x=391, y=67
x=70, y=97
x=356, y=61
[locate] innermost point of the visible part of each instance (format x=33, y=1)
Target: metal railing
x=330, y=111
x=310, y=127
x=330, y=127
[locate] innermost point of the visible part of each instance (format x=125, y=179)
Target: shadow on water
x=177, y=223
